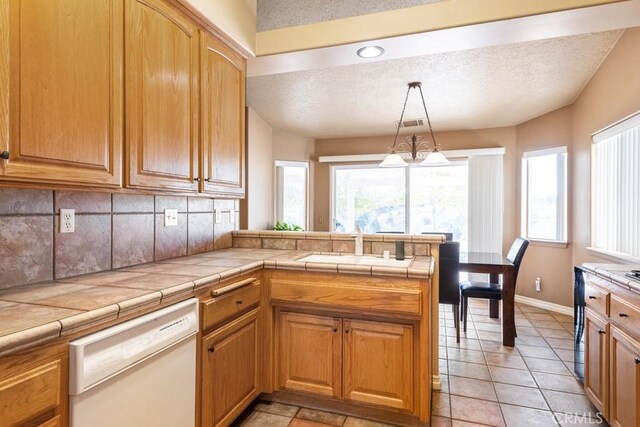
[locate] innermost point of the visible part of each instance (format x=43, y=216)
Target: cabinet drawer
x=30, y=393
x=396, y=300
x=597, y=299
x=230, y=300
x=625, y=314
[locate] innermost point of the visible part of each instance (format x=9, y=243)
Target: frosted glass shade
x=393, y=160
x=435, y=158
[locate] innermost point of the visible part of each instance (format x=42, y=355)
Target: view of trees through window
x=377, y=199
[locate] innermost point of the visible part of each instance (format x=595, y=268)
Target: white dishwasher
x=139, y=373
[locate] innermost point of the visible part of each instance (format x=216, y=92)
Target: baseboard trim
x=557, y=308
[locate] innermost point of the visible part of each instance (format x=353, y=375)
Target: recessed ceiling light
x=370, y=52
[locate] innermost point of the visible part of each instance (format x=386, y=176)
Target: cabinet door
x=386, y=350
x=230, y=370
x=161, y=51
x=222, y=82
x=310, y=353
x=596, y=360
x=33, y=387
x=61, y=91
x=624, y=401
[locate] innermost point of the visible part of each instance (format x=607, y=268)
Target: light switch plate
x=217, y=216
x=232, y=217
x=67, y=220
x=170, y=217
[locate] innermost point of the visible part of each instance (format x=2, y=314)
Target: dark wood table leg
x=508, y=308
x=494, y=305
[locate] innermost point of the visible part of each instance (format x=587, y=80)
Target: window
x=615, y=189
x=544, y=194
x=370, y=196
x=291, y=192
x=404, y=200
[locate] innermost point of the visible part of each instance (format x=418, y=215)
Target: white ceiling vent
x=409, y=123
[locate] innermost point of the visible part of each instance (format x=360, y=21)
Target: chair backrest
x=449, y=265
x=516, y=253
x=448, y=236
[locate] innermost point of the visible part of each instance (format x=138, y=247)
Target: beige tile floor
x=483, y=382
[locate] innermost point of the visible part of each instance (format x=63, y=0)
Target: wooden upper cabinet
x=161, y=71
x=61, y=91
x=385, y=349
x=223, y=117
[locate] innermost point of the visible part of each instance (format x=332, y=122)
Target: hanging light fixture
x=415, y=145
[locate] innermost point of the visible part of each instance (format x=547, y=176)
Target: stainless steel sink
x=357, y=260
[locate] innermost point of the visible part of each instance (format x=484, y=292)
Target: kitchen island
x=357, y=339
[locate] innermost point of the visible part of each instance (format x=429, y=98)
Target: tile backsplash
x=111, y=231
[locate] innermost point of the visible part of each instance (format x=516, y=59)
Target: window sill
x=549, y=243
x=613, y=256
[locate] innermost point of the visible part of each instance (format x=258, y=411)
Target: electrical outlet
x=67, y=220
x=538, y=284
x=170, y=217
x=217, y=216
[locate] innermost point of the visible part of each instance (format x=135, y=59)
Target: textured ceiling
x=274, y=14
x=478, y=88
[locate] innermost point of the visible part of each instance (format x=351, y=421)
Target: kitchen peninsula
x=271, y=325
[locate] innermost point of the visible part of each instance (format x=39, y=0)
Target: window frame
x=277, y=195
x=562, y=211
x=372, y=165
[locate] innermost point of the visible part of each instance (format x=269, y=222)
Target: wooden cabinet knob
x=239, y=302
x=4, y=155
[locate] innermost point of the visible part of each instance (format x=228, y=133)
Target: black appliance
x=578, y=323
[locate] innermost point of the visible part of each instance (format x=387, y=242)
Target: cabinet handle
x=592, y=297
x=637, y=360
x=4, y=155
x=335, y=329
x=346, y=331
x=601, y=332
x=208, y=179
x=211, y=350
x=196, y=179
x=239, y=302
x=623, y=315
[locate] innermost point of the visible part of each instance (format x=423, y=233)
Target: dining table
x=495, y=265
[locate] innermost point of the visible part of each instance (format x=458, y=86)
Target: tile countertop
x=35, y=314
x=615, y=273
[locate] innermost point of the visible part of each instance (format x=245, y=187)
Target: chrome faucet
x=359, y=238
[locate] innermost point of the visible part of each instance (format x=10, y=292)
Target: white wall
x=256, y=210
x=235, y=18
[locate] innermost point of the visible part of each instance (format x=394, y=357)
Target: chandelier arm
x=406, y=98
x=428, y=119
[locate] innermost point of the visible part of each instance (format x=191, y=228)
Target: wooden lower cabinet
x=34, y=387
x=624, y=400
x=596, y=360
x=378, y=363
x=230, y=370
x=353, y=360
x=310, y=354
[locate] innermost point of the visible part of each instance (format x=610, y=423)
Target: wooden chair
x=492, y=291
